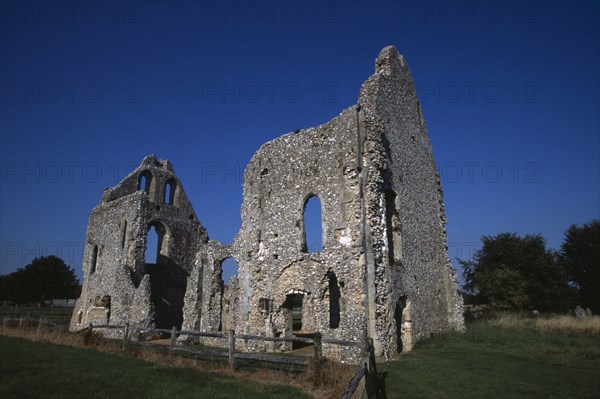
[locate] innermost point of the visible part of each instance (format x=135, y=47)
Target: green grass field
x=508, y=357
x=40, y=370
x=492, y=362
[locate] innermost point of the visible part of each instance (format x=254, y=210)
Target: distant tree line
x=45, y=278
x=516, y=273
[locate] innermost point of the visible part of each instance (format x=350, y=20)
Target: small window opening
x=94, y=260
x=169, y=197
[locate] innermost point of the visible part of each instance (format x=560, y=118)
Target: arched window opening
x=145, y=181
x=169, y=195
x=313, y=227
x=334, y=301
x=152, y=246
x=94, y=260
x=392, y=227
x=229, y=269
x=123, y=233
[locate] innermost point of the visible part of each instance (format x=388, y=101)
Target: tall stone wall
x=405, y=209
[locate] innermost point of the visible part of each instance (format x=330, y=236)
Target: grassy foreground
x=40, y=370
x=506, y=357
x=510, y=357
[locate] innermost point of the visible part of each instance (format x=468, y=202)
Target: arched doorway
x=168, y=280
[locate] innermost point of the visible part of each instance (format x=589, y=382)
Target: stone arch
x=312, y=224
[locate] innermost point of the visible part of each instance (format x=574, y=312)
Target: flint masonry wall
x=383, y=259
x=119, y=286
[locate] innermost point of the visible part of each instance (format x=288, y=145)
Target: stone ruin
x=383, y=269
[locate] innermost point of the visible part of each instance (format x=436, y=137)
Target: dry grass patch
x=335, y=376
x=558, y=323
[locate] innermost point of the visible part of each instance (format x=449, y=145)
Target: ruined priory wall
x=116, y=242
x=110, y=252
x=270, y=247
x=424, y=275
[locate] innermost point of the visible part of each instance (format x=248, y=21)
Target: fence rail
x=230, y=353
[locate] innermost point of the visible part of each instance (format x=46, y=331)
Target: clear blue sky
x=509, y=91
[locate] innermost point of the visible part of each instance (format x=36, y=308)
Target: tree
x=580, y=256
x=517, y=273
x=46, y=277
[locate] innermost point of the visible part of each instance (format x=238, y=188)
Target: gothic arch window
x=145, y=181
x=170, y=191
x=312, y=218
x=153, y=244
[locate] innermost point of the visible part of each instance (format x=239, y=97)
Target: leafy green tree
x=4, y=288
x=580, y=257
x=517, y=273
x=46, y=277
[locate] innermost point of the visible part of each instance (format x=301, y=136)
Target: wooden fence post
x=20, y=321
x=317, y=359
x=232, y=349
x=39, y=327
x=173, y=339
x=125, y=334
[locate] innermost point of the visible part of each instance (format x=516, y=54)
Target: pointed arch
x=145, y=182
x=157, y=242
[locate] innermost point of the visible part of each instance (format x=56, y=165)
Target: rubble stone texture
x=372, y=171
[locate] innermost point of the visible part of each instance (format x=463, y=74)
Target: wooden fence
x=364, y=381
x=129, y=334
